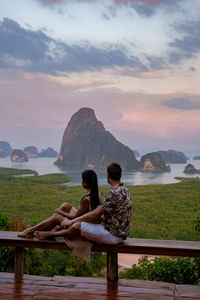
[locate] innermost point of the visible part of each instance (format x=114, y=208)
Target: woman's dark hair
x=90, y=178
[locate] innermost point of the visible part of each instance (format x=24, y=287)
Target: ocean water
x=46, y=166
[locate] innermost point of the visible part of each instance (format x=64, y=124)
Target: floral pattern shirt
x=117, y=207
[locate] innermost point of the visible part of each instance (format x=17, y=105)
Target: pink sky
x=142, y=79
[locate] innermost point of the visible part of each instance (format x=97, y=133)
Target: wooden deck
x=27, y=287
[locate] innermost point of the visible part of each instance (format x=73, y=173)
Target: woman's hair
x=90, y=178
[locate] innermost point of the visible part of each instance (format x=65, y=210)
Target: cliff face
x=153, y=162
x=87, y=144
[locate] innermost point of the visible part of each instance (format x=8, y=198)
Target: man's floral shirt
x=117, y=207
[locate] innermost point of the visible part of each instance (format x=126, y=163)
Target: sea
x=45, y=165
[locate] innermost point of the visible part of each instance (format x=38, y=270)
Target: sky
x=135, y=62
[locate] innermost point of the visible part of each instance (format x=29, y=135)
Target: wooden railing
x=131, y=245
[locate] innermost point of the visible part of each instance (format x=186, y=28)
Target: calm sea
x=45, y=166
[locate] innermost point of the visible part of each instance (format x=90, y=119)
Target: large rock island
x=86, y=144
x=153, y=162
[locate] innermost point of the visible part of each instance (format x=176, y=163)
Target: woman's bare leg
x=71, y=233
x=47, y=224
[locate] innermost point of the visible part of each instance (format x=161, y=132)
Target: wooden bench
x=131, y=246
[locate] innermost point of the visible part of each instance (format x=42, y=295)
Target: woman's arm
x=82, y=209
x=88, y=217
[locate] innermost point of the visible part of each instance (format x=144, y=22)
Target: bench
x=131, y=246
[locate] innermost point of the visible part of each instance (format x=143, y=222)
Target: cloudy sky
x=135, y=62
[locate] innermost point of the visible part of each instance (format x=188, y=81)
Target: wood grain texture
x=26, y=287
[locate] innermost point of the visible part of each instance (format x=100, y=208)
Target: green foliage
x=159, y=211
x=4, y=222
x=12, y=171
x=6, y=254
x=197, y=220
x=47, y=179
x=179, y=271
x=62, y=262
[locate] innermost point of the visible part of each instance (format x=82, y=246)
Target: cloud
x=35, y=51
x=189, y=44
x=181, y=103
x=50, y=2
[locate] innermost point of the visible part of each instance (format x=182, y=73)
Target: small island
x=190, y=169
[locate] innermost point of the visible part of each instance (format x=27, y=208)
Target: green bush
x=179, y=270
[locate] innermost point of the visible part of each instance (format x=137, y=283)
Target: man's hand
x=66, y=223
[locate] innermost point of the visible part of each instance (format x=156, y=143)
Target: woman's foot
x=43, y=235
x=27, y=233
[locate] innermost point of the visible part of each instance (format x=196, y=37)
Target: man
x=108, y=223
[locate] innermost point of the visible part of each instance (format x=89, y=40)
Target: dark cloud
x=182, y=103
x=156, y=63
x=34, y=51
x=189, y=44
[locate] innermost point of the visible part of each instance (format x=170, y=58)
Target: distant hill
x=87, y=144
x=196, y=157
x=173, y=157
x=5, y=148
x=49, y=152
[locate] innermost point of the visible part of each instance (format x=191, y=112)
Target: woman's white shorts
x=97, y=233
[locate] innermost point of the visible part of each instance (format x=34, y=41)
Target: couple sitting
x=103, y=221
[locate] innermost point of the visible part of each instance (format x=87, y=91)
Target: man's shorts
x=97, y=233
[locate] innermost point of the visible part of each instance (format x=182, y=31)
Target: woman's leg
x=71, y=233
x=47, y=224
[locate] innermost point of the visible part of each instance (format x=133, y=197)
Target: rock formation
x=2, y=154
x=173, y=157
x=190, y=169
x=86, y=144
x=49, y=152
x=19, y=156
x=5, y=147
x=153, y=162
x=31, y=151
x=196, y=157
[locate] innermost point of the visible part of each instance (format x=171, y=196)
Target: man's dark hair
x=114, y=171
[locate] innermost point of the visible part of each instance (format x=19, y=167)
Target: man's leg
x=71, y=233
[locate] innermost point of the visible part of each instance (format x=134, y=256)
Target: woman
x=87, y=203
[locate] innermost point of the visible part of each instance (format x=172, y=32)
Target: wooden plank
x=132, y=246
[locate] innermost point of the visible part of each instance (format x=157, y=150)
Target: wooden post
x=19, y=260
x=112, y=266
